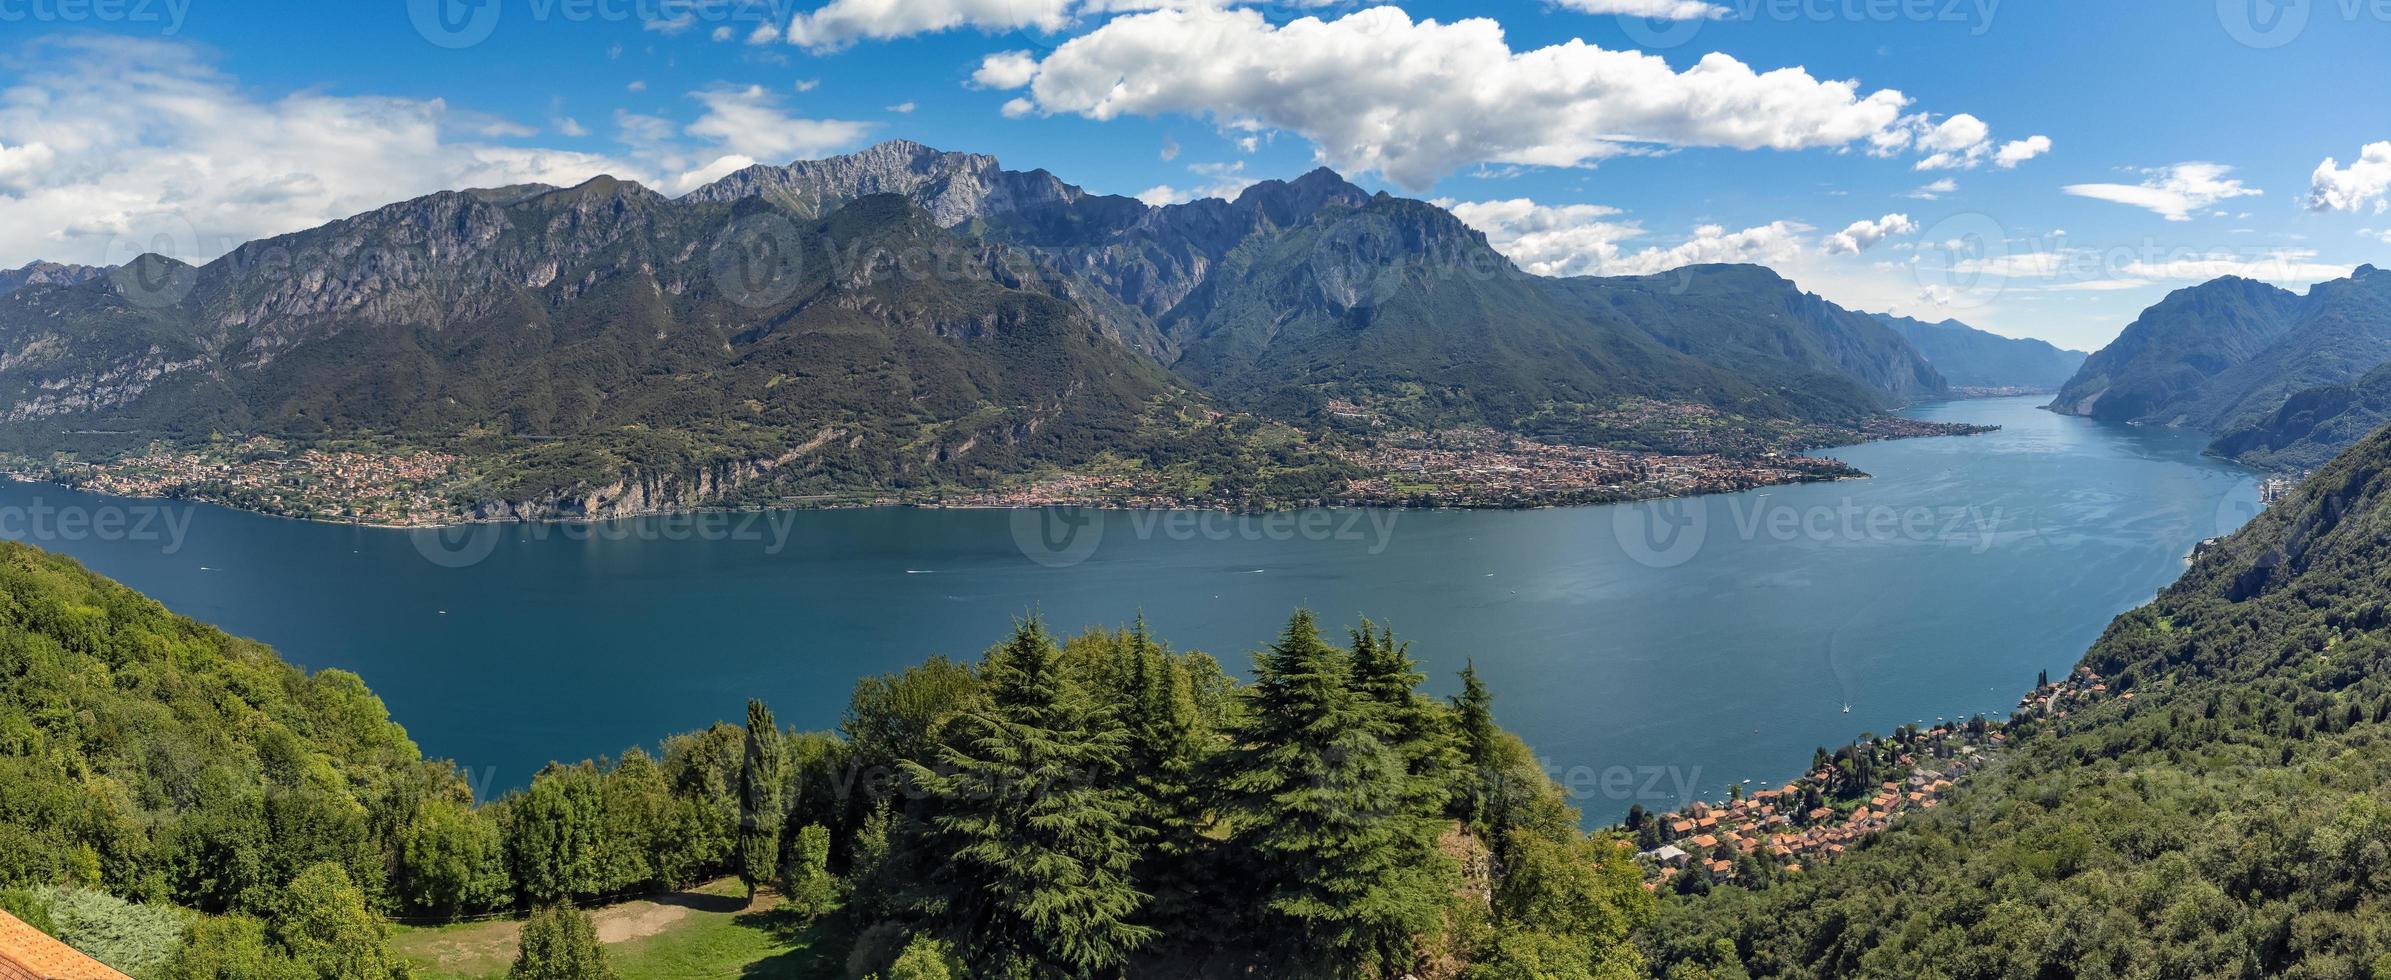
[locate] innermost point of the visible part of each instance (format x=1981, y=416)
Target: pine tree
x=1164, y=763
x=1420, y=730
x=559, y=943
x=1345, y=861
x=1477, y=736
x=1038, y=842
x=763, y=810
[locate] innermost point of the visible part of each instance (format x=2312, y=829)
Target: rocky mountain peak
x=953, y=187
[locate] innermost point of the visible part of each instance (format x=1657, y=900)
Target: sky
x=2040, y=168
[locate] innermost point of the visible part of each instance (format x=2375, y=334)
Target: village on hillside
x=1845, y=799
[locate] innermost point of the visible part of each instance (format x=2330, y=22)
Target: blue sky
x=2104, y=154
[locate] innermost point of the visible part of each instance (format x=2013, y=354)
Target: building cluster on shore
x=1823, y=814
x=1478, y=467
x=265, y=475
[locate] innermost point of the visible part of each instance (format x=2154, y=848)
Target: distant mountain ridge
x=2229, y=351
x=47, y=274
x=1971, y=358
x=922, y=317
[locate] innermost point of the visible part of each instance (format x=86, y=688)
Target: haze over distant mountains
x=904, y=316
x=1972, y=358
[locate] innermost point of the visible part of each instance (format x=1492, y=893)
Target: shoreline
x=1789, y=467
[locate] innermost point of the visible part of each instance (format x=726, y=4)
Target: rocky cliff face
x=47, y=274
x=952, y=187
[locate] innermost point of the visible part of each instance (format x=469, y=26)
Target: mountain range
x=2232, y=356
x=900, y=317
x=1972, y=358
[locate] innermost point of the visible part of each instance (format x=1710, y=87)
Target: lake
x=1648, y=651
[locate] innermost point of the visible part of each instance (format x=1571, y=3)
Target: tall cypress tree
x=763, y=808
x=1323, y=803
x=1473, y=721
x=1036, y=833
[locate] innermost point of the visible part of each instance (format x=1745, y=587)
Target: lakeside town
x=1473, y=467
x=1846, y=797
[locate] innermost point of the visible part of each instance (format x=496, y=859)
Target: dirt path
x=483, y=948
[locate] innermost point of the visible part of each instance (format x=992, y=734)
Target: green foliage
x=325, y=926
x=555, y=833
x=2227, y=820
x=131, y=937
x=559, y=943
x=926, y=959
x=1039, y=840
x=1346, y=862
x=452, y=859
x=763, y=798
x=233, y=947
x=805, y=879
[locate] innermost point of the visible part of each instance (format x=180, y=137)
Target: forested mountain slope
x=2225, y=354
x=1085, y=807
x=2225, y=815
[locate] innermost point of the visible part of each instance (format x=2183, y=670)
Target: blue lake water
x=1646, y=650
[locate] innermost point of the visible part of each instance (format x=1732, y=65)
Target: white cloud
x=2366, y=180
x=1221, y=180
x=1934, y=191
x=1587, y=239
x=2171, y=192
x=842, y=22
x=1655, y=9
x=749, y=122
x=1959, y=142
x=569, y=126
x=722, y=33
x=901, y=108
x=636, y=86
x=1861, y=236
x=1417, y=100
x=1006, y=70
x=2019, y=151
x=110, y=146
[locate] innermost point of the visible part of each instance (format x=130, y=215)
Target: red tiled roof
x=27, y=953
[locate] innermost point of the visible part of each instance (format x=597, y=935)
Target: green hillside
x=2224, y=816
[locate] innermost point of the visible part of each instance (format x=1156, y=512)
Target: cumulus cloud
x=1935, y=190
x=1957, y=142
x=2019, y=151
x=113, y=146
x=2367, y=180
x=1379, y=92
x=750, y=122
x=1006, y=70
x=2171, y=192
x=842, y=22
x=1221, y=180
x=1861, y=236
x=1587, y=239
x=1655, y=9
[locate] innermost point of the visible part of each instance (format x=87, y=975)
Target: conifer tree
x=1473, y=722
x=1164, y=763
x=1420, y=730
x=1346, y=864
x=1038, y=844
x=763, y=785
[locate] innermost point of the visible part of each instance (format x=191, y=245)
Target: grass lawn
x=708, y=931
